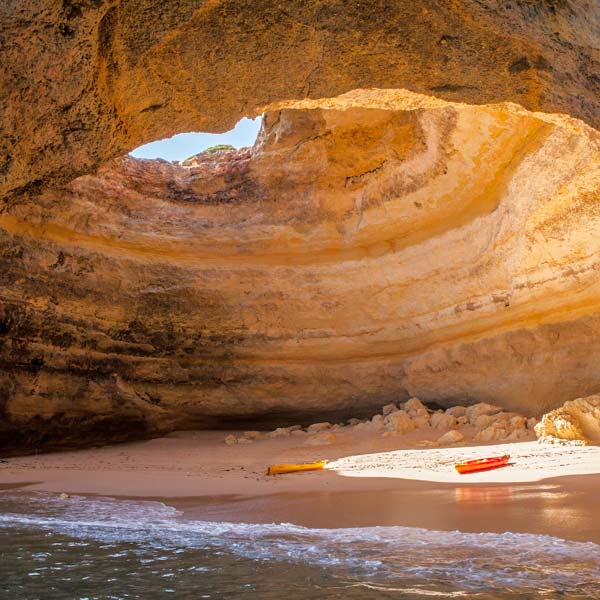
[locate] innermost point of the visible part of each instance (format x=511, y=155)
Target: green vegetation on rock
x=212, y=150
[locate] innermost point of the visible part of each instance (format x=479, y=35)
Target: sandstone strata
x=82, y=81
x=369, y=248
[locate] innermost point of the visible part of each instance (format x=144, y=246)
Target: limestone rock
x=87, y=79
x=457, y=411
x=481, y=408
x=231, y=440
x=483, y=421
x=451, y=437
x=443, y=421
x=517, y=422
x=575, y=421
x=558, y=428
x=413, y=406
x=377, y=422
x=358, y=254
x=517, y=435
x=372, y=243
x=399, y=422
x=280, y=432
x=491, y=434
x=253, y=435
x=317, y=427
x=298, y=433
x=501, y=426
x=388, y=409
x=420, y=417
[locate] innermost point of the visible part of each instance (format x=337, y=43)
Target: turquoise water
x=99, y=548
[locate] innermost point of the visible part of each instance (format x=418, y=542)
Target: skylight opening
x=183, y=145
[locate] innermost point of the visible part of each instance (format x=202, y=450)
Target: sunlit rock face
x=83, y=81
x=370, y=247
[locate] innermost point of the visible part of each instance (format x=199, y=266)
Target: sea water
x=102, y=548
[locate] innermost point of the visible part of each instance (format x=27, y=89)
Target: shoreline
x=566, y=510
x=546, y=490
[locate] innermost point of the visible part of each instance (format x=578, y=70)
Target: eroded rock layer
x=83, y=81
x=369, y=248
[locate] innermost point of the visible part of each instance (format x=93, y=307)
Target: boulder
x=483, y=421
x=388, y=409
x=517, y=435
x=491, y=434
x=457, y=411
x=317, y=427
x=377, y=422
x=451, y=437
x=413, y=405
x=420, y=417
x=481, y=408
x=399, y=422
x=443, y=421
x=518, y=422
x=230, y=440
x=576, y=421
x=280, y=432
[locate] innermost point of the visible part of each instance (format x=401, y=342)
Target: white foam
x=476, y=560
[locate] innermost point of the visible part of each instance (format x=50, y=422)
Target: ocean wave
x=479, y=561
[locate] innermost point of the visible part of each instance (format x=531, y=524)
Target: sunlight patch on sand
x=530, y=461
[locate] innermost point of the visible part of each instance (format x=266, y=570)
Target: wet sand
x=565, y=509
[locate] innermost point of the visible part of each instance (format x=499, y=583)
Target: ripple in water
x=52, y=548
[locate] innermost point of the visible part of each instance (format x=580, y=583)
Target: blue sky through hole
x=180, y=146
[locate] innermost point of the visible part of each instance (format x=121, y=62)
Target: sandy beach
x=369, y=481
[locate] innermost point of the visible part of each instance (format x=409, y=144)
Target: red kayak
x=482, y=464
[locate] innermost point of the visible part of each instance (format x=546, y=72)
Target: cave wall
x=83, y=81
x=369, y=247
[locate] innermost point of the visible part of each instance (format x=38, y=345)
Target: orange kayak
x=294, y=468
x=482, y=464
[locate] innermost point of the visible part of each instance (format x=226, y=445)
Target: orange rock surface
x=83, y=81
x=370, y=247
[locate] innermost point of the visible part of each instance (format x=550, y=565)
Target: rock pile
x=480, y=422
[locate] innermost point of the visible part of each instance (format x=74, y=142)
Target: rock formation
x=575, y=422
x=83, y=81
x=370, y=247
x=411, y=423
